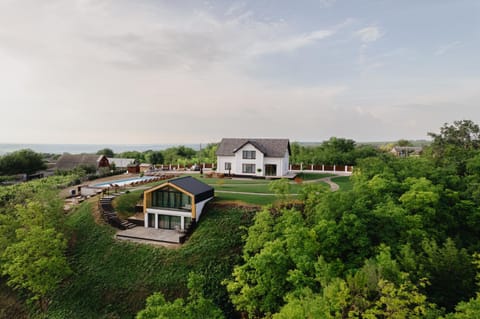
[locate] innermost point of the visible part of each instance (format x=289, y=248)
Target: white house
x=176, y=203
x=253, y=157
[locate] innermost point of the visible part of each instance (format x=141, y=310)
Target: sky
x=151, y=71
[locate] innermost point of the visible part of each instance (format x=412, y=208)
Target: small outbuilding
x=176, y=204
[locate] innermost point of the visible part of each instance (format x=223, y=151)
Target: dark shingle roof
x=70, y=161
x=270, y=147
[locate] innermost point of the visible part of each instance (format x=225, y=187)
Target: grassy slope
x=113, y=278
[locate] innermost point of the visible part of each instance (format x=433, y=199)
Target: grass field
x=344, y=182
x=112, y=279
x=223, y=187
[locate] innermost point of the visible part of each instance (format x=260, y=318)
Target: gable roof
x=193, y=186
x=270, y=147
x=68, y=162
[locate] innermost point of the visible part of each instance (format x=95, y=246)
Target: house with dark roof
x=260, y=157
x=175, y=204
x=68, y=162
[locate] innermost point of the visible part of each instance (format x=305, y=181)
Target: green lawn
x=112, y=279
x=312, y=176
x=246, y=198
x=344, y=182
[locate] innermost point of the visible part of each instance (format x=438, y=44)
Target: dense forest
x=403, y=243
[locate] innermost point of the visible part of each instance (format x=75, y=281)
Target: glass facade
x=169, y=222
x=169, y=197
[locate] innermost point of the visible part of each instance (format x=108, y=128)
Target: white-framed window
x=248, y=168
x=228, y=166
x=248, y=154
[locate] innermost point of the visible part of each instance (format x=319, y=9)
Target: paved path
x=333, y=186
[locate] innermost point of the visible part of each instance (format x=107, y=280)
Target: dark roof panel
x=191, y=185
x=270, y=147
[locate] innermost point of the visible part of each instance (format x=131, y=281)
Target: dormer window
x=248, y=154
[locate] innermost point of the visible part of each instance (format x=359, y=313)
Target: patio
x=143, y=234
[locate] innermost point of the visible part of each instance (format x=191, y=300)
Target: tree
x=107, y=152
x=403, y=142
x=23, y=161
x=455, y=144
x=155, y=157
x=195, y=307
x=36, y=262
x=32, y=250
x=281, y=188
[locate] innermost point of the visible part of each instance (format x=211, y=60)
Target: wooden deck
x=150, y=234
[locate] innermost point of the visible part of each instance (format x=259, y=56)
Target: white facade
x=263, y=166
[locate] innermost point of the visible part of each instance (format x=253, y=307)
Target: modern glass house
x=176, y=204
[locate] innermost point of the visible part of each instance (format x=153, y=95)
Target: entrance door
x=270, y=170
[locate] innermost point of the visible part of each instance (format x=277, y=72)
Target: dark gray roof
x=70, y=161
x=270, y=147
x=191, y=185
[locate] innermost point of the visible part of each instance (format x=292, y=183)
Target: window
x=171, y=198
x=228, y=166
x=248, y=168
x=248, y=154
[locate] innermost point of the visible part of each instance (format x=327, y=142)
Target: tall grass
x=113, y=278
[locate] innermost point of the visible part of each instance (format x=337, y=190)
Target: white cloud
x=445, y=48
x=289, y=44
x=369, y=34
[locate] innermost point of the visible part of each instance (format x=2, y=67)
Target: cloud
x=369, y=34
x=289, y=44
x=445, y=48
x=327, y=3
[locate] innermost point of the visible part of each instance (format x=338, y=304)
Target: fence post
x=334, y=168
x=301, y=166
x=311, y=167
x=346, y=168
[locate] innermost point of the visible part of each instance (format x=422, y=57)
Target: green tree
x=155, y=157
x=23, y=161
x=195, y=307
x=455, y=144
x=281, y=188
x=108, y=152
x=36, y=262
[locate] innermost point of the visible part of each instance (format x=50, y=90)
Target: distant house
x=145, y=167
x=121, y=163
x=406, y=151
x=176, y=204
x=253, y=157
x=68, y=162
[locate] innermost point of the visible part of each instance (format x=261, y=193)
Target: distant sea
x=88, y=148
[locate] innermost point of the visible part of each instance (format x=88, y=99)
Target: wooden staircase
x=110, y=216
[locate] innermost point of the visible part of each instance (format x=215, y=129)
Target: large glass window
x=171, y=198
x=248, y=168
x=248, y=154
x=169, y=222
